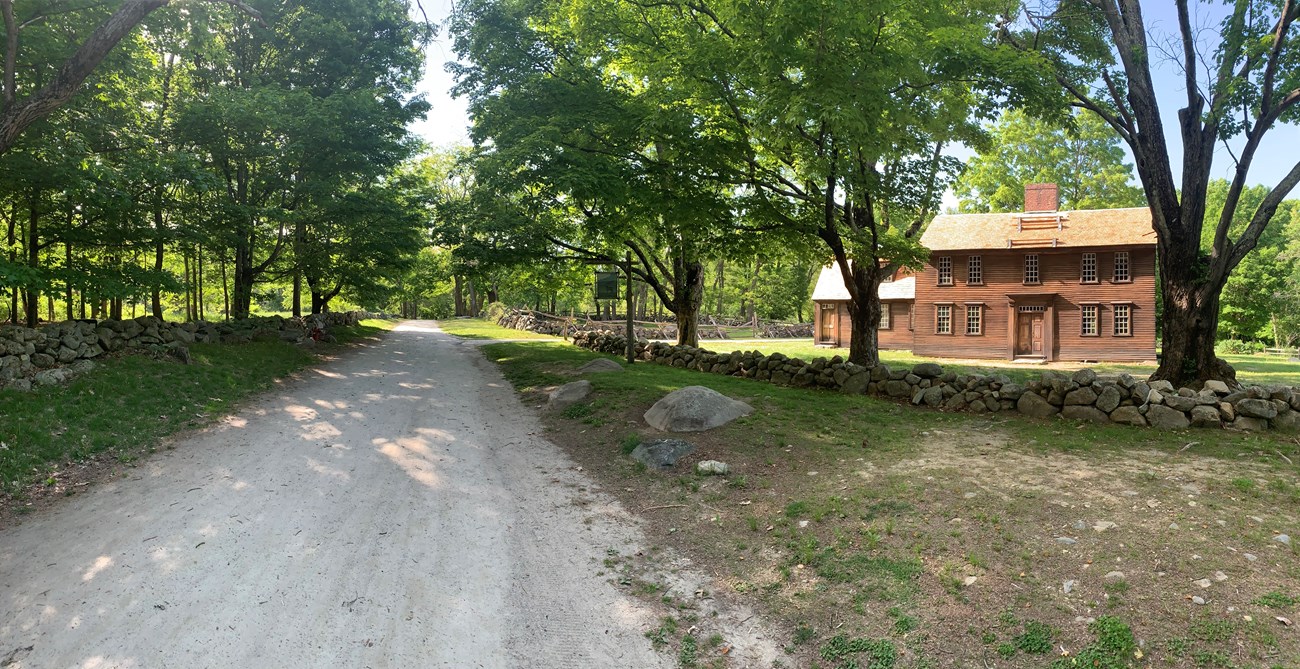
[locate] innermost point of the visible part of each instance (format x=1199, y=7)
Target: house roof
x=1089, y=227
x=830, y=287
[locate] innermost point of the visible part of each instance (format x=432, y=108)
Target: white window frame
x=884, y=316
x=1088, y=268
x=943, y=319
x=944, y=264
x=975, y=271
x=1123, y=268
x=1084, y=330
x=1032, y=270
x=1122, y=320
x=974, y=319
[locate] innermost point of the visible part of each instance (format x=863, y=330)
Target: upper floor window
x=1088, y=271
x=945, y=270
x=975, y=270
x=943, y=319
x=974, y=319
x=884, y=315
x=1123, y=320
x=1088, y=320
x=1122, y=266
x=1031, y=268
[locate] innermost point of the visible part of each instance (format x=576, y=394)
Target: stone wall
x=1083, y=395
x=56, y=352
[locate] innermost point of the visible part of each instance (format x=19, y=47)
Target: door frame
x=1034, y=303
x=824, y=309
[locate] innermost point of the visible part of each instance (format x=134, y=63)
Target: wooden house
x=1038, y=285
x=831, y=323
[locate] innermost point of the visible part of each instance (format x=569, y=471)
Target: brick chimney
x=1042, y=197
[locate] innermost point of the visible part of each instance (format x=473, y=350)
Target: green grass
x=477, y=328
x=127, y=404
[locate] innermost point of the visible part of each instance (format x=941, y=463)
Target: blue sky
x=447, y=124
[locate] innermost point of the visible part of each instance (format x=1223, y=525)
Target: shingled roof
x=1094, y=227
x=830, y=287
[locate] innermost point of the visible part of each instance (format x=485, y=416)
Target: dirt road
x=396, y=508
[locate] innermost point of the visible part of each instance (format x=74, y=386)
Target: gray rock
x=1139, y=391
x=43, y=360
x=933, y=396
x=1084, y=377
x=911, y=379
x=51, y=377
x=1206, y=416
x=1161, y=385
x=662, y=453
x=928, y=370
x=1250, y=424
x=1198, y=600
x=713, y=467
x=567, y=395
x=1011, y=391
x=1283, y=539
x=1166, y=418
x=1067, y=586
x=1155, y=397
x=1109, y=399
x=66, y=354
x=1115, y=576
x=1217, y=387
x=856, y=384
x=1287, y=422
x=1180, y=403
x=600, y=365
x=1066, y=541
x=19, y=385
x=1032, y=404
x=1256, y=408
x=695, y=409
x=1082, y=396
x=898, y=388
x=1085, y=413
x=1227, y=411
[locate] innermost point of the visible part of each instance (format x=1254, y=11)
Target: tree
x=1238, y=89
x=17, y=115
x=1083, y=158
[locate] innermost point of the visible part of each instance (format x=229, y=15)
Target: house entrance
x=827, y=335
x=1029, y=333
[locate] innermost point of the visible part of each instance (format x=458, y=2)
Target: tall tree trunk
x=688, y=297
x=1189, y=324
x=864, y=313
x=753, y=289
x=159, y=246
x=189, y=293
x=458, y=294
x=721, y=285
x=242, y=289
x=225, y=290
x=199, y=253
x=67, y=264
x=473, y=298
x=13, y=258
x=297, y=293
x=33, y=294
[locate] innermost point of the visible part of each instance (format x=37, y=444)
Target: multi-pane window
x=1031, y=268
x=1123, y=320
x=945, y=270
x=975, y=270
x=1088, y=272
x=974, y=319
x=1121, y=266
x=1088, y=320
x=884, y=316
x=943, y=319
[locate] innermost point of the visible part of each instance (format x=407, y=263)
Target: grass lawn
x=889, y=536
x=129, y=403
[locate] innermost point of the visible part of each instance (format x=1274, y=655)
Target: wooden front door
x=1029, y=334
x=828, y=324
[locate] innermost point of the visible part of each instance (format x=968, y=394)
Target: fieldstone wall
x=1082, y=396
x=518, y=319
x=55, y=353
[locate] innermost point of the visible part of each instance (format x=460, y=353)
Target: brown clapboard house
x=1042, y=285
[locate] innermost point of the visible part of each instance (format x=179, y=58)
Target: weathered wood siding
x=1060, y=290
x=898, y=336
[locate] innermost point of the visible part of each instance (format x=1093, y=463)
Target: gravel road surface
x=394, y=508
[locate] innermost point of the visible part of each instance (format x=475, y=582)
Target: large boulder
x=1128, y=416
x=1084, y=396
x=568, y=394
x=1256, y=408
x=1206, y=416
x=1109, y=399
x=600, y=365
x=1289, y=421
x=1170, y=419
x=694, y=409
x=662, y=453
x=1085, y=413
x=1180, y=403
x=928, y=370
x=1033, y=404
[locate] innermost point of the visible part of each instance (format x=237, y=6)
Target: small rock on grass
x=1116, y=575
x=1203, y=582
x=1103, y=525
x=1067, y=586
x=1283, y=539
x=713, y=467
x=1198, y=600
x=1065, y=540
